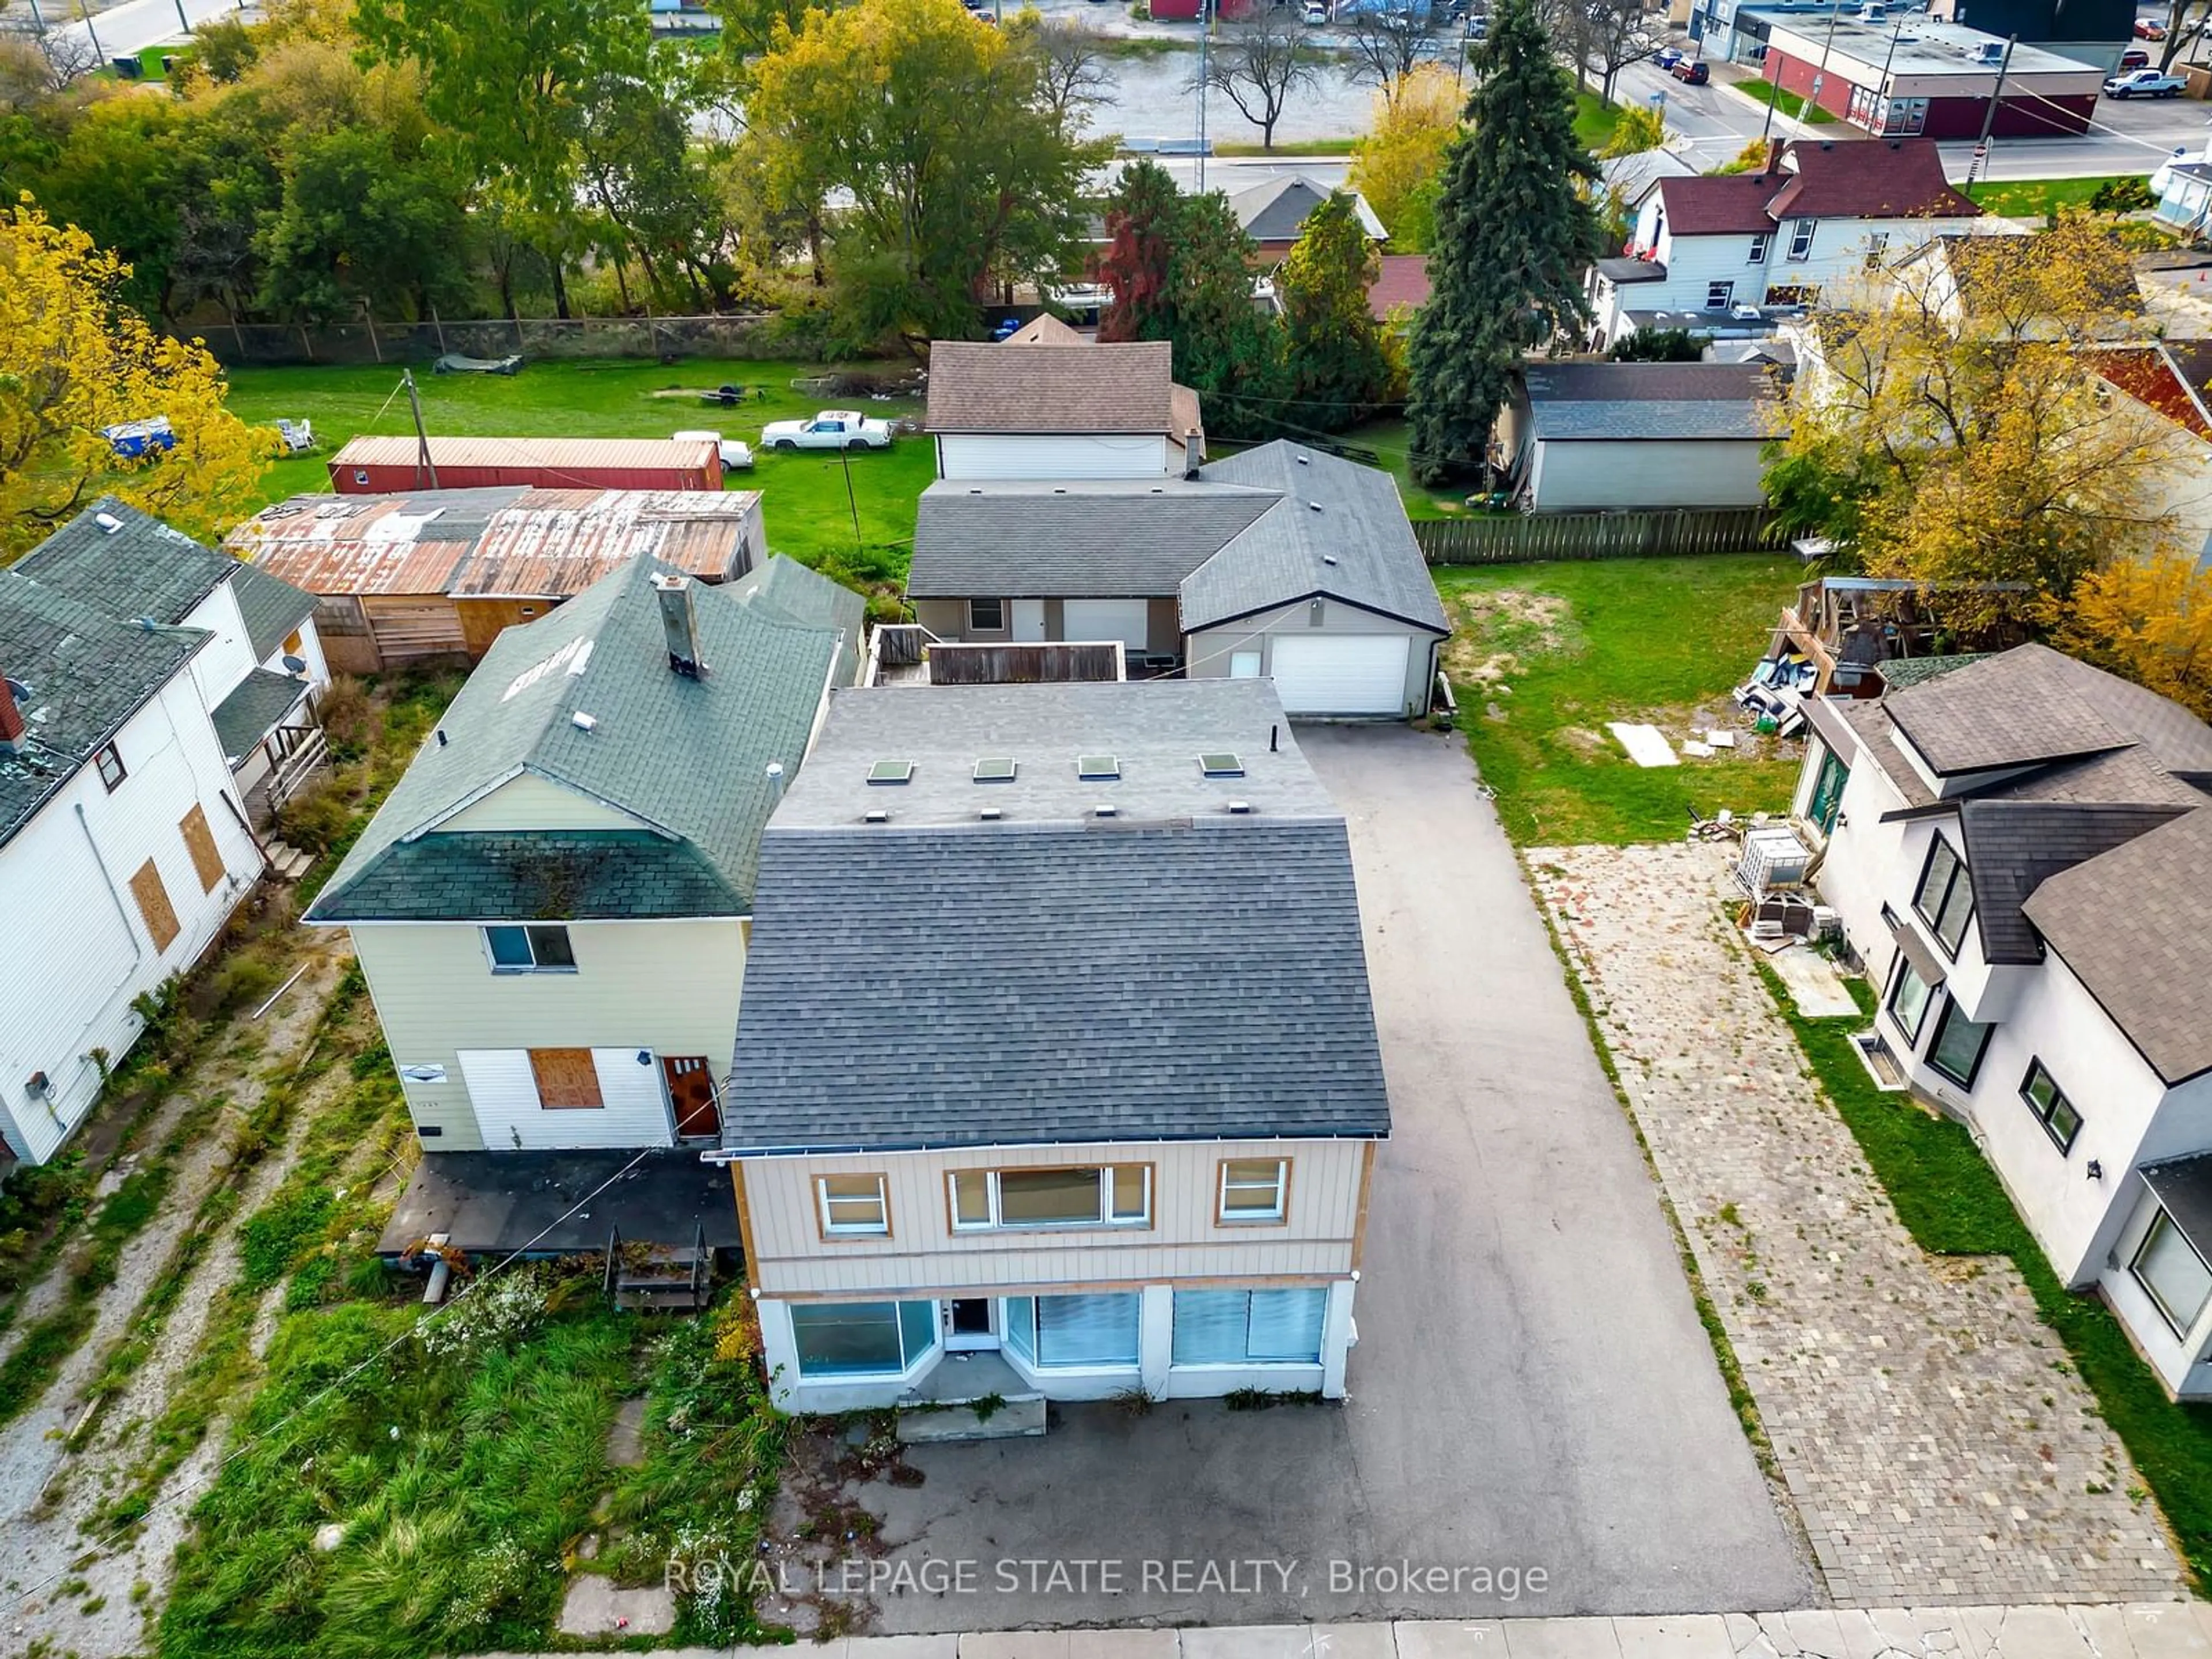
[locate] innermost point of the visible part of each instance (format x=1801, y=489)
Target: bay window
x=861, y=1339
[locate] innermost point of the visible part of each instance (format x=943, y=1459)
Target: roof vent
x=1302, y=458
x=1240, y=807
x=1105, y=809
x=1095, y=766
x=1221, y=765
x=1328, y=558
x=990, y=814
x=875, y=815
x=1313, y=506
x=107, y=521
x=891, y=771
x=582, y=721
x=997, y=770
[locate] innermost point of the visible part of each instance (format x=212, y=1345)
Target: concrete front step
x=1011, y=1419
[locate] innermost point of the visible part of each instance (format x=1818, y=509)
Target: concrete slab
x=2167, y=1629
x=901, y=1647
x=1561, y=1638
x=2106, y=1628
x=1814, y=985
x=2041, y=1633
x=1011, y=1419
x=626, y=1439
x=1124, y=1644
x=1645, y=744
x=1877, y=1633
x=1014, y=1645
x=1693, y=1636
x=1451, y=1638
x=593, y=1607
x=1815, y=1631
x=1291, y=1642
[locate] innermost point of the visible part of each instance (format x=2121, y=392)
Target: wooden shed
x=438, y=573
x=379, y=466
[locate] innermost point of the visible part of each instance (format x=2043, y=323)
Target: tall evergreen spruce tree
x=1515, y=232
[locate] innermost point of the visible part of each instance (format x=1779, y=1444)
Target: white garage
x=1125, y=620
x=1340, y=673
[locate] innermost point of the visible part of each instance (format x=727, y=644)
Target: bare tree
x=1072, y=63
x=1259, y=61
x=1385, y=46
x=2184, y=27
x=1604, y=36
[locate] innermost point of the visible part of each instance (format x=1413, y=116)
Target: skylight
x=891, y=771
x=1097, y=766
x=1222, y=765
x=996, y=769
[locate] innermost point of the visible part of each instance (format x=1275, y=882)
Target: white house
x=551, y=907
x=2017, y=848
x=1049, y=404
x=1817, y=212
x=261, y=664
x=1091, y=1106
x=1583, y=437
x=123, y=842
x=2166, y=381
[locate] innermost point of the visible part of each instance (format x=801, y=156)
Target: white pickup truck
x=831, y=429
x=2145, y=83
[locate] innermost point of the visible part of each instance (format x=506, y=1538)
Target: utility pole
x=852, y=501
x=1990, y=115
x=183, y=20
x=1205, y=39
x=1766, y=125
x=85, y=7
x=1881, y=86
x=423, y=462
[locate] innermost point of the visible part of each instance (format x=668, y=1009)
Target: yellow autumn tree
x=73, y=359
x=1398, y=165
x=2149, y=620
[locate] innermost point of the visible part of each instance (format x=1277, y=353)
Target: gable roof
x=1127, y=387
x=1137, y=985
x=1401, y=282
x=1670, y=401
x=1108, y=538
x=1044, y=328
x=793, y=593
x=2018, y=708
x=1277, y=210
x=1868, y=179
x=2130, y=924
x=685, y=757
x=84, y=674
x=140, y=568
x=272, y=608
x=1976, y=261
x=1718, y=204
x=1339, y=531
x=2012, y=847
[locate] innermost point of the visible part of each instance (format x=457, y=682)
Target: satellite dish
x=294, y=665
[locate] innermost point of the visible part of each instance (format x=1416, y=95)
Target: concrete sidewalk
x=2142, y=1630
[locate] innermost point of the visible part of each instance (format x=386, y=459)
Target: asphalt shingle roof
x=2130, y=924
x=272, y=607
x=254, y=706
x=545, y=875
x=1665, y=401
x=1340, y=531
x=685, y=756
x=2017, y=708
x=1277, y=210
x=141, y=568
x=85, y=675
x=793, y=593
x=2184, y=1185
x=981, y=387
x=1118, y=539
x=2013, y=848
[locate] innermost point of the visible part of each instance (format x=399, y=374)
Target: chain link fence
x=238, y=345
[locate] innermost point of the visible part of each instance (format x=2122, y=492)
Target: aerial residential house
x=551, y=907
x=2170, y=383
x=388, y=466
x=262, y=662
x=1273, y=214
x=1281, y=561
x=123, y=844
x=1048, y=409
x=1987, y=282
x=1399, y=290
x=1586, y=436
x=1816, y=214
x=2183, y=185
x=2017, y=849
x=1088, y=1103
x=435, y=575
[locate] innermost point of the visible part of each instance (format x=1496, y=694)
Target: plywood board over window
x=200, y=841
x=566, y=1077
x=154, y=905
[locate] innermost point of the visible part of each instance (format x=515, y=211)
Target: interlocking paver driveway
x=1938, y=1448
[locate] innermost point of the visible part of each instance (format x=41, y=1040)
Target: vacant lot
x=809, y=515
x=1544, y=655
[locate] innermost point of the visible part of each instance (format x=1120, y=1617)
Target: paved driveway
x=1532, y=1390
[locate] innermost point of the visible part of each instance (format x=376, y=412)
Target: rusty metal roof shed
x=671, y=453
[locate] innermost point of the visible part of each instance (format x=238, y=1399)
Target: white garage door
x=1340, y=673
x=1105, y=619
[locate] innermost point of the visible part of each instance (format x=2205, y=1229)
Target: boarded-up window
x=154, y=905
x=200, y=841
x=293, y=642
x=566, y=1077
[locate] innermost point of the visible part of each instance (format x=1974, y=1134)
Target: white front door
x=1342, y=673
x=1028, y=621
x=1125, y=620
x=970, y=1323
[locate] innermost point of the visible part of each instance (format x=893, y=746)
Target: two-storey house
x=552, y=907
x=2017, y=849
x=1057, y=1070
x=1817, y=213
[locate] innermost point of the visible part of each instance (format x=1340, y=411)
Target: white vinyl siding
x=530, y=802
x=1578, y=475
x=1340, y=673
x=1125, y=620
x=634, y=1111
x=1057, y=455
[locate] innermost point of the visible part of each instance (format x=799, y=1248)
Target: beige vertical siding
x=924, y=1255
x=531, y=802
x=1209, y=652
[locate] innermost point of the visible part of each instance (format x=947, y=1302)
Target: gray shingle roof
x=545, y=875
x=1277, y=210
x=1123, y=387
x=2012, y=847
x=1037, y=983
x=685, y=756
x=1622, y=401
x=1358, y=547
x=1121, y=538
x=794, y=592
x=2018, y=708
x=141, y=568
x=272, y=607
x=254, y=706
x=2131, y=925
x=86, y=675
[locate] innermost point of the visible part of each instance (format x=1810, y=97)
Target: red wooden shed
x=384, y=466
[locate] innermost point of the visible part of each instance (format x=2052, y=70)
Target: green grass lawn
x=1388, y=439
x=1291, y=147
x=804, y=495
x=2031, y=198
x=1763, y=93
x=1595, y=119
x=1557, y=650
x=1951, y=1202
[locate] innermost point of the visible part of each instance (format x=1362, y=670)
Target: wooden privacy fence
x=1524, y=539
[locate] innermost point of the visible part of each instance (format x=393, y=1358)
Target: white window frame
x=2164, y=1222
x=1759, y=248
x=1106, y=1217
x=1725, y=288
x=527, y=928
x=977, y=626
x=1278, y=1212
x=1801, y=232
x=826, y=1205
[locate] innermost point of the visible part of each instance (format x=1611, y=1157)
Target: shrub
x=347, y=717
x=318, y=815
x=2122, y=196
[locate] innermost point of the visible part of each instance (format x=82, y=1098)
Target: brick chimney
x=680, y=623
x=1774, y=157
x=11, y=721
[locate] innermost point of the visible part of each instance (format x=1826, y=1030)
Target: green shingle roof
x=796, y=593
x=254, y=706
x=543, y=875
x=140, y=567
x=271, y=606
x=686, y=759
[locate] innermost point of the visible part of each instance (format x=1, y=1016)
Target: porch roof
x=256, y=706
x=496, y=1202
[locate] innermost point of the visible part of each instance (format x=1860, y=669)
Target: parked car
x=2133, y=58
x=1691, y=73
x=737, y=454
x=831, y=429
x=2144, y=83
x=1666, y=57
x=1478, y=26
x=1317, y=13
x=2149, y=28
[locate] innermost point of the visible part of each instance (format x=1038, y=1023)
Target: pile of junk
x=1775, y=694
